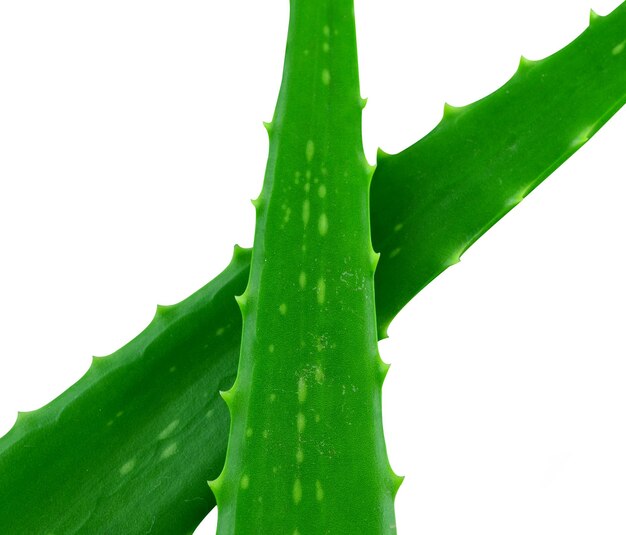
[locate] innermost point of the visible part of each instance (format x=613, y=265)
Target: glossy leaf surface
x=306, y=451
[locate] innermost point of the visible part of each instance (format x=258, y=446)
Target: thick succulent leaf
x=131, y=445
x=484, y=158
x=306, y=452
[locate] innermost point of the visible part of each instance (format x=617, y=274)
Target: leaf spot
x=322, y=225
x=297, y=491
x=127, y=467
x=169, y=451
x=310, y=150
x=169, y=429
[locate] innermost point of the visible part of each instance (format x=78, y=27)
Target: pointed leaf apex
x=374, y=258
x=396, y=481
x=216, y=485
x=381, y=155
x=382, y=330
x=228, y=396
x=242, y=301
x=451, y=111
x=240, y=254
x=161, y=311
x=383, y=368
x=525, y=64
x=593, y=17
x=23, y=415
x=452, y=260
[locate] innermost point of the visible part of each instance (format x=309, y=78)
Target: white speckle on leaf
x=322, y=225
x=297, y=491
x=127, y=467
x=310, y=150
x=300, y=422
x=319, y=491
x=306, y=212
x=169, y=429
x=169, y=450
x=302, y=390
x=326, y=77
x=319, y=374
x=321, y=291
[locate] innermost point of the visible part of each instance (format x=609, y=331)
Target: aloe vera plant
x=170, y=326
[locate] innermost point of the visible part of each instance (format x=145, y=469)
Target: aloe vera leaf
x=130, y=446
x=38, y=441
x=306, y=452
x=499, y=158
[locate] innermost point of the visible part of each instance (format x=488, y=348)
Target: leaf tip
x=382, y=330
x=450, y=111
x=383, y=368
x=396, y=482
x=216, y=485
x=525, y=64
x=163, y=310
x=228, y=396
x=374, y=258
x=381, y=155
x=593, y=17
x=239, y=253
x=242, y=301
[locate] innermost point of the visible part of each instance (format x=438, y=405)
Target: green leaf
x=306, y=451
x=483, y=159
x=131, y=445
x=70, y=440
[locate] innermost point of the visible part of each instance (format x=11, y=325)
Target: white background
x=131, y=141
